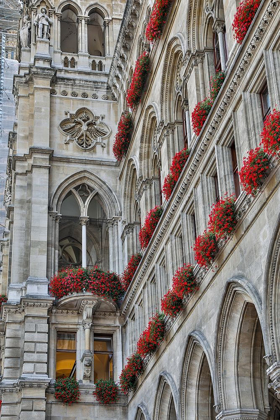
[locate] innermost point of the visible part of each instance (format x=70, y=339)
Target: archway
x=96, y=34
x=166, y=399
x=69, y=30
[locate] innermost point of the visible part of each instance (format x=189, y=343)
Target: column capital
x=84, y=220
x=219, y=26
x=186, y=104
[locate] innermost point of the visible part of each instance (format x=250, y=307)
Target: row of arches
x=229, y=380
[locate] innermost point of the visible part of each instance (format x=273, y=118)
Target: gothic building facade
x=69, y=202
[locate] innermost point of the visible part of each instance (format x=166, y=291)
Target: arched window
x=93, y=65
x=96, y=38
x=72, y=63
x=69, y=30
x=66, y=62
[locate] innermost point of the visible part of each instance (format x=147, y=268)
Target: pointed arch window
x=69, y=30
x=96, y=33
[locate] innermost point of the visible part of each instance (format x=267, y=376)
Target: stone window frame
x=52, y=350
x=189, y=230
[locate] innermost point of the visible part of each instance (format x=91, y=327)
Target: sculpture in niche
x=87, y=368
x=24, y=33
x=86, y=129
x=42, y=23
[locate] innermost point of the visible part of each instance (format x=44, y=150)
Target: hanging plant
x=67, y=390
x=130, y=270
x=205, y=249
x=223, y=217
x=216, y=84
x=184, y=281
x=171, y=304
x=152, y=336
x=122, y=138
x=149, y=226
x=130, y=373
x=243, y=18
x=106, y=391
x=270, y=136
x=157, y=19
x=138, y=81
x=168, y=186
x=254, y=170
x=178, y=163
x=3, y=299
x=78, y=280
x=200, y=114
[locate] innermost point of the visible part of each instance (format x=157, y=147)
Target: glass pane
x=102, y=344
x=103, y=367
x=66, y=341
x=65, y=363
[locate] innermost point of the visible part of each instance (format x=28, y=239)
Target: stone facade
x=72, y=203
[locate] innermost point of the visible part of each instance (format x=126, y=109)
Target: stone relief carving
x=87, y=367
x=85, y=129
x=42, y=24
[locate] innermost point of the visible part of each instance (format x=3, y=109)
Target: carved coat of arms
x=85, y=129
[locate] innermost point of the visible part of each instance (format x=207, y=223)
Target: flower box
x=130, y=373
x=223, y=217
x=106, y=391
x=152, y=336
x=157, y=19
x=171, y=304
x=254, y=170
x=184, y=281
x=270, y=136
x=178, y=163
x=216, y=84
x=3, y=299
x=122, y=139
x=205, y=249
x=168, y=186
x=200, y=114
x=149, y=226
x=243, y=18
x=67, y=390
x=138, y=81
x=130, y=270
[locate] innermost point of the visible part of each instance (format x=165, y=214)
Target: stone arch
x=170, y=79
x=271, y=291
x=166, y=404
x=142, y=413
x=147, y=143
x=195, y=14
x=96, y=33
x=108, y=198
x=240, y=348
x=129, y=190
x=198, y=381
x=68, y=3
x=102, y=10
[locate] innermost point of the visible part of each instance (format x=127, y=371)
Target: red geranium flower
x=223, y=217
x=130, y=373
x=149, y=226
x=106, y=391
x=130, y=270
x=200, y=114
x=138, y=81
x=157, y=19
x=171, y=304
x=243, y=18
x=178, y=163
x=122, y=139
x=67, y=390
x=216, y=84
x=168, y=186
x=152, y=336
x=205, y=249
x=254, y=170
x=271, y=134
x=184, y=281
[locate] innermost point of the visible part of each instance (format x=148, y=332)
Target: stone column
x=80, y=34
x=106, y=36
x=58, y=31
x=84, y=22
x=84, y=221
x=87, y=354
x=56, y=241
x=51, y=243
x=188, y=120
x=201, y=76
x=114, y=246
x=219, y=27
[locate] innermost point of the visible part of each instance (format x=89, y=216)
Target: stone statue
x=87, y=368
x=43, y=23
x=24, y=32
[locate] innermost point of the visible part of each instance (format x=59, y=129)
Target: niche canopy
x=85, y=129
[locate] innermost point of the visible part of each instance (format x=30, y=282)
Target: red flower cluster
x=223, y=217
x=130, y=373
x=171, y=304
x=205, y=248
x=106, y=392
x=178, y=163
x=243, y=18
x=157, y=19
x=216, y=84
x=271, y=134
x=139, y=77
x=200, y=114
x=130, y=270
x=184, y=281
x=149, y=226
x=168, y=186
x=77, y=280
x=3, y=299
x=122, y=138
x=152, y=336
x=67, y=390
x=254, y=170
